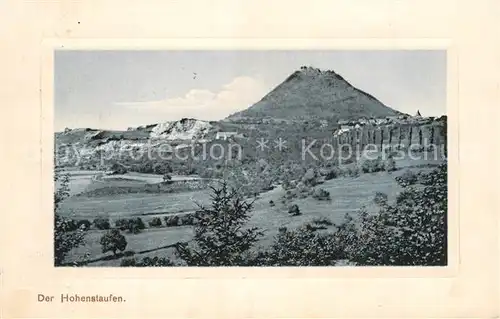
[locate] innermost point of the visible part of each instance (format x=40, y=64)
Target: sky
x=121, y=89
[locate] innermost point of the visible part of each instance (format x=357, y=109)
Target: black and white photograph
x=250, y=158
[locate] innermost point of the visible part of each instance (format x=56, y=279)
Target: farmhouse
x=225, y=135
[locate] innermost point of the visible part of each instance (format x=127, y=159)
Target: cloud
x=239, y=94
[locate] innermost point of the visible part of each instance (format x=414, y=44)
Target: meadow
x=348, y=194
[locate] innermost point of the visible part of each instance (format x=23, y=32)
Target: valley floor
x=348, y=195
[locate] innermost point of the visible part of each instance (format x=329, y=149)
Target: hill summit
x=312, y=93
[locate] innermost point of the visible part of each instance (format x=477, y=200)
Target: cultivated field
x=348, y=195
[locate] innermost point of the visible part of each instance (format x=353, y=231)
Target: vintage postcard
x=257, y=158
x=239, y=163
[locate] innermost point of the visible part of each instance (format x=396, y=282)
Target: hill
x=310, y=93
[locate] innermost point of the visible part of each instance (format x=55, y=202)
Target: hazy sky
x=118, y=89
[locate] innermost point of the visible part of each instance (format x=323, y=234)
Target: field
x=348, y=195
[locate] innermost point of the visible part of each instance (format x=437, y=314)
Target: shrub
x=102, y=223
x=171, y=221
x=303, y=246
x=372, y=166
x=167, y=178
x=322, y=221
x=118, y=169
x=83, y=224
x=122, y=224
x=310, y=178
x=332, y=173
x=187, y=219
x=155, y=222
x=408, y=178
x=220, y=236
x=380, y=198
x=128, y=253
x=112, y=241
x=64, y=240
x=136, y=225
x=321, y=194
x=155, y=262
x=162, y=168
x=146, y=262
x=132, y=225
x=390, y=164
x=294, y=210
x=353, y=171
x=128, y=262
x=413, y=232
x=69, y=225
x=271, y=203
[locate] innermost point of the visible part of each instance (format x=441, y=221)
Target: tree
x=118, y=169
x=102, y=223
x=432, y=135
x=65, y=238
x=400, y=137
x=303, y=246
x=167, y=178
x=390, y=164
x=410, y=135
x=112, y=241
x=381, y=138
x=221, y=238
x=412, y=232
x=444, y=133
x=155, y=222
x=294, y=210
x=146, y=262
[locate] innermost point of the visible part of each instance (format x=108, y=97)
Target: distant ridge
x=312, y=93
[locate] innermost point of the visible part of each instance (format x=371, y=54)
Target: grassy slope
x=347, y=196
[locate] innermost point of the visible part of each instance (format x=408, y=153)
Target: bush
x=390, y=164
x=69, y=225
x=118, y=169
x=146, y=262
x=136, y=225
x=122, y=224
x=187, y=219
x=380, y=198
x=167, y=178
x=310, y=178
x=112, y=241
x=332, y=173
x=413, y=232
x=407, y=178
x=128, y=253
x=220, y=236
x=128, y=262
x=271, y=203
x=155, y=222
x=83, y=224
x=303, y=246
x=64, y=240
x=162, y=168
x=321, y=194
x=352, y=171
x=102, y=223
x=322, y=221
x=171, y=221
x=372, y=166
x=294, y=210
x=132, y=225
